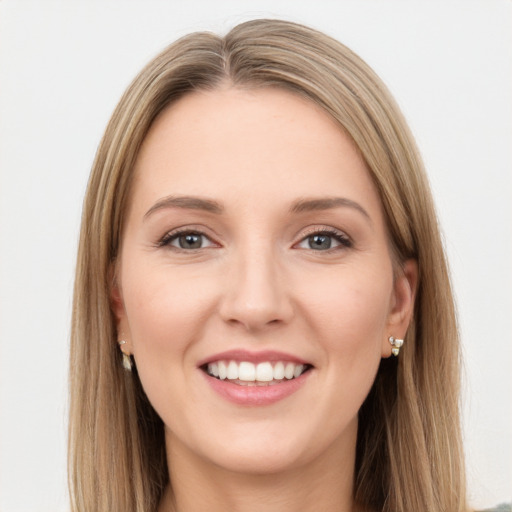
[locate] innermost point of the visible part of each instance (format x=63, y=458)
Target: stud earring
x=396, y=344
x=127, y=360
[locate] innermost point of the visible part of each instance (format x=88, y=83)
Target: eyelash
x=340, y=237
x=344, y=241
x=173, y=235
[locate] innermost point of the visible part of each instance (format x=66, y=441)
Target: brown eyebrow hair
x=187, y=202
x=212, y=206
x=326, y=203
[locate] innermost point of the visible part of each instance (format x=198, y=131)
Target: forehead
x=249, y=144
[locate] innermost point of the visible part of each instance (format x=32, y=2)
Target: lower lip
x=256, y=395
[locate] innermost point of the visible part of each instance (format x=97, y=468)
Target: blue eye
x=325, y=240
x=187, y=240
x=319, y=242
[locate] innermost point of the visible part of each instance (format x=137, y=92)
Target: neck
x=325, y=483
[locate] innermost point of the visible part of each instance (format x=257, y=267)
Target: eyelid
x=165, y=241
x=342, y=238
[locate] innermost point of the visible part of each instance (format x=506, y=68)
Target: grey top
x=504, y=507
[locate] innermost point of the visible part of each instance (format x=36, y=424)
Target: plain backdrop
x=64, y=65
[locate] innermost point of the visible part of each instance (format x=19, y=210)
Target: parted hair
x=409, y=450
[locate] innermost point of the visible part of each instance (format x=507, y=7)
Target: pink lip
x=252, y=357
x=256, y=395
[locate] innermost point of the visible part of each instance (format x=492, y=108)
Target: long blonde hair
x=409, y=450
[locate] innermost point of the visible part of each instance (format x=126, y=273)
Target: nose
x=256, y=291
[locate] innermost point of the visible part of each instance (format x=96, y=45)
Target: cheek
x=348, y=309
x=349, y=319
x=166, y=313
x=165, y=309
x=348, y=316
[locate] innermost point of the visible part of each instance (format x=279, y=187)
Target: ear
x=402, y=304
x=117, y=306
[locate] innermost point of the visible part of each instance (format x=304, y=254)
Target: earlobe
x=402, y=310
x=117, y=306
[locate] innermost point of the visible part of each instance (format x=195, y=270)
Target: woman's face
x=255, y=286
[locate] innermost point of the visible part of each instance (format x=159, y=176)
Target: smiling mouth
x=245, y=373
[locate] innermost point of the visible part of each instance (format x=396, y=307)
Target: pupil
x=320, y=242
x=190, y=241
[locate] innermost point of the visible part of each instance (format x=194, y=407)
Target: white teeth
x=223, y=371
x=213, y=368
x=279, y=371
x=289, y=370
x=247, y=371
x=263, y=374
x=232, y=371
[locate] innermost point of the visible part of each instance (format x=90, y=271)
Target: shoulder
x=504, y=507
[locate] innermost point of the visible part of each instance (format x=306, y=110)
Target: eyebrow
x=186, y=202
x=299, y=206
x=326, y=203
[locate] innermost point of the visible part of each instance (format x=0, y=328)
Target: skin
x=257, y=283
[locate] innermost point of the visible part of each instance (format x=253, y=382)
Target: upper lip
x=252, y=357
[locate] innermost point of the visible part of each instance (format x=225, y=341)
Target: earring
x=396, y=344
x=127, y=360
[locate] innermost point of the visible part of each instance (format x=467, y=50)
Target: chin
x=263, y=449
x=259, y=459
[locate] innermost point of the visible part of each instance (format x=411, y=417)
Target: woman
x=258, y=242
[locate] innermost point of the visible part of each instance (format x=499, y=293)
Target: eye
x=324, y=240
x=186, y=240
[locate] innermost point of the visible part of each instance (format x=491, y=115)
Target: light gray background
x=64, y=65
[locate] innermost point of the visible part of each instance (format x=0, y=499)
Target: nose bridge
x=256, y=292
